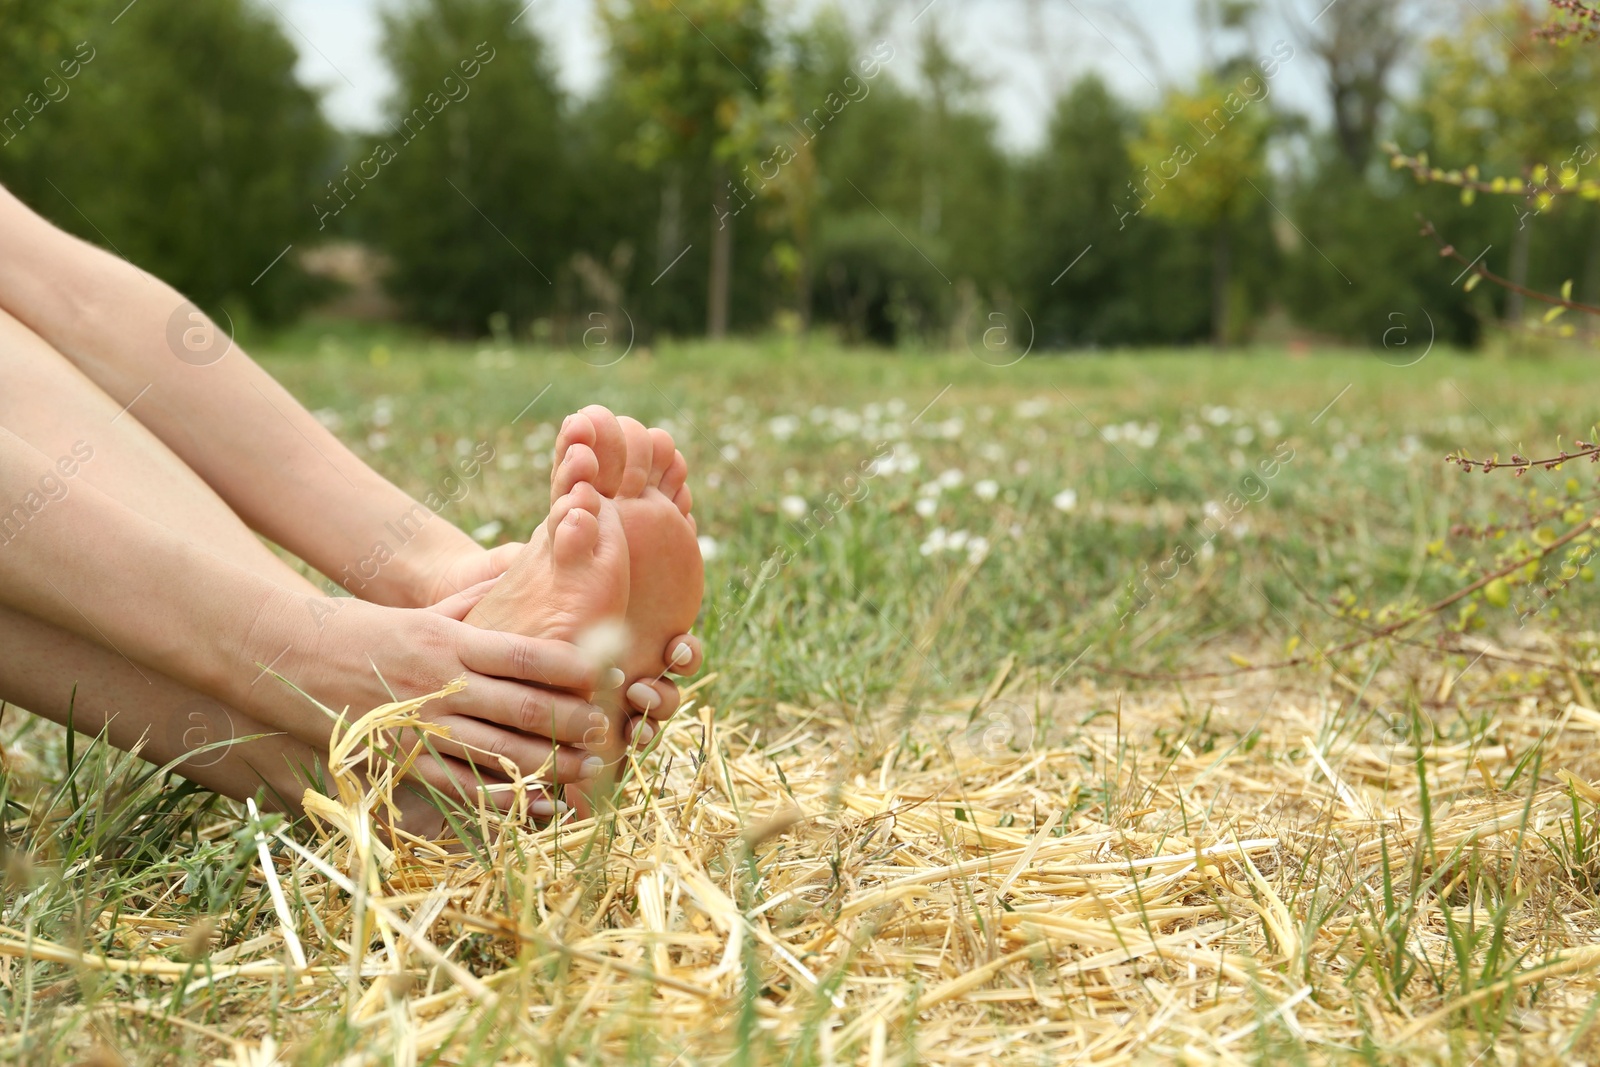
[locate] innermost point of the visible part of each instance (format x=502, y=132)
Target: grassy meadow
x=988, y=762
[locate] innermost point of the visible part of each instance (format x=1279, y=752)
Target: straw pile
x=1128, y=890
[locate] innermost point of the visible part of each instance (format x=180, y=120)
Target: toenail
x=682, y=654
x=644, y=734
x=643, y=697
x=613, y=679
x=591, y=767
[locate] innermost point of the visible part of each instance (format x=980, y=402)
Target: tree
x=188, y=146
x=1359, y=42
x=1088, y=277
x=1202, y=160
x=43, y=51
x=1499, y=96
x=468, y=189
x=688, y=70
x=916, y=200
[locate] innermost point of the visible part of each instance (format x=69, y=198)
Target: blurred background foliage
x=740, y=171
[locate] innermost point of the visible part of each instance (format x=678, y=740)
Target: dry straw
x=1101, y=901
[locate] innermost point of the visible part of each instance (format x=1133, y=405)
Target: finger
x=555, y=664
x=502, y=556
x=657, y=698
x=454, y=779
x=530, y=709
x=641, y=731
x=685, y=655
x=458, y=605
x=460, y=782
x=577, y=798
x=484, y=745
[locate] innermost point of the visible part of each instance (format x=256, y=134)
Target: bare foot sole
x=571, y=584
x=645, y=475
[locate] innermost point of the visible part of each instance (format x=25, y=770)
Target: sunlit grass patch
x=918, y=815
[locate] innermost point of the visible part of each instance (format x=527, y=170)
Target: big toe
x=575, y=525
x=640, y=455
x=576, y=429
x=611, y=447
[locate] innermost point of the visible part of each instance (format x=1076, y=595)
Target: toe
x=655, y=698
x=585, y=497
x=577, y=429
x=575, y=537
x=662, y=451
x=636, y=472
x=579, y=466
x=675, y=475
x=685, y=501
x=611, y=448
x=685, y=655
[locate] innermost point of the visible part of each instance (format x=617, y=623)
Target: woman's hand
x=526, y=699
x=655, y=700
x=652, y=700
x=460, y=570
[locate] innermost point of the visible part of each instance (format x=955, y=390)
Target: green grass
x=830, y=589
x=1355, y=508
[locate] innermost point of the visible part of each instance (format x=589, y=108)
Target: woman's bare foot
x=644, y=473
x=570, y=583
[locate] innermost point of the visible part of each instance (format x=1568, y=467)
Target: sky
x=1027, y=51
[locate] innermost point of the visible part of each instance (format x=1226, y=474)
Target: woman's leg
x=54, y=673
x=49, y=403
x=53, y=406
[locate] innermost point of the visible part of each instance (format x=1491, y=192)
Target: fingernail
x=613, y=678
x=591, y=767
x=546, y=808
x=645, y=733
x=682, y=654
x=643, y=697
x=597, y=733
